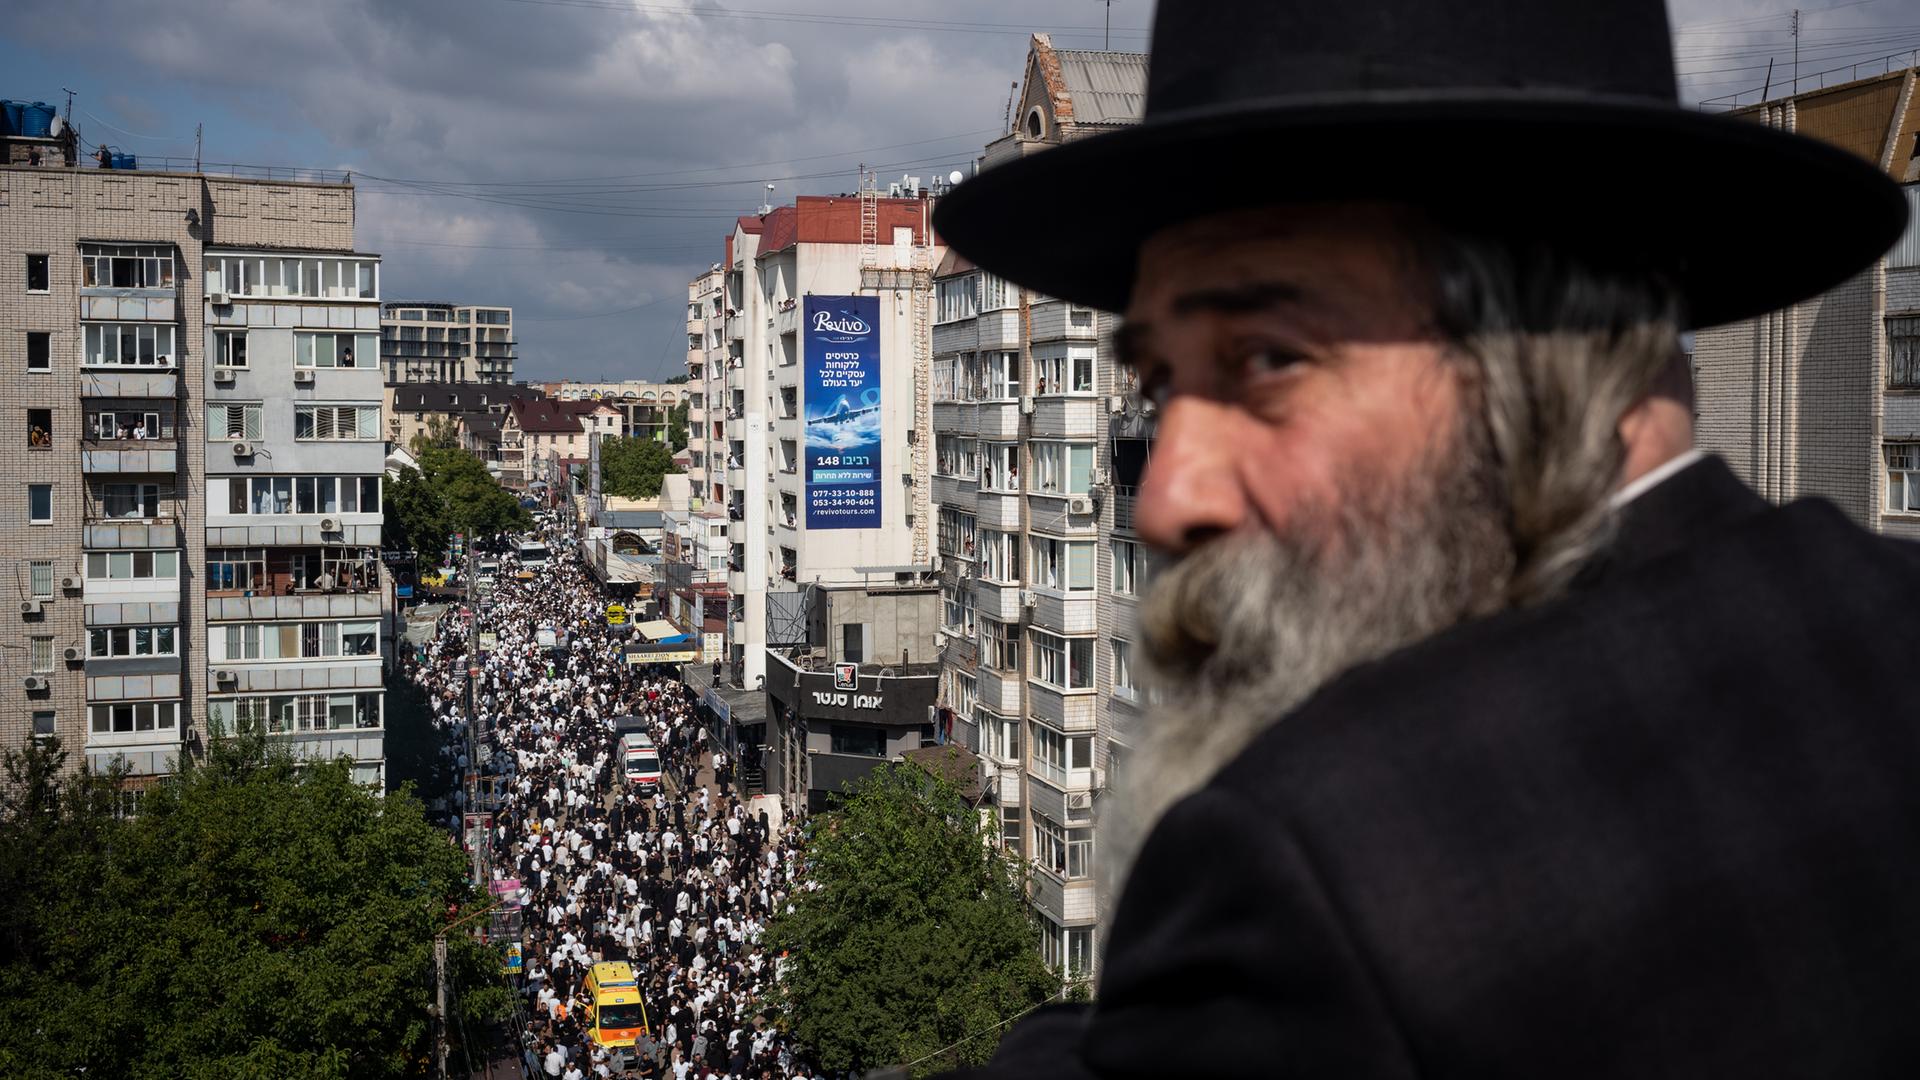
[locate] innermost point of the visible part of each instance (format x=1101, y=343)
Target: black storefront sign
x=899, y=701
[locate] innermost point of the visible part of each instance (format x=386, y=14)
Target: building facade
x=1822, y=398
x=140, y=306
x=429, y=342
x=646, y=409
x=541, y=435
x=706, y=387
x=1039, y=445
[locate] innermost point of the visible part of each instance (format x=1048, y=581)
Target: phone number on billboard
x=852, y=502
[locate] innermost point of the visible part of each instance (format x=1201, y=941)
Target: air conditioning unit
x=31, y=607
x=1079, y=800
x=35, y=682
x=1117, y=403
x=74, y=654
x=223, y=374
x=1026, y=405
x=242, y=448
x=1099, y=779
x=302, y=375
x=226, y=676
x=1079, y=504
x=1027, y=598
x=1100, y=478
x=219, y=299
x=329, y=524
x=72, y=583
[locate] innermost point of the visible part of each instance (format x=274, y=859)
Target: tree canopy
x=258, y=918
x=917, y=936
x=631, y=467
x=450, y=492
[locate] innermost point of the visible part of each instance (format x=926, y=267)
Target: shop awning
x=658, y=630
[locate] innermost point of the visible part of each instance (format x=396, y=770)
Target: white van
x=640, y=761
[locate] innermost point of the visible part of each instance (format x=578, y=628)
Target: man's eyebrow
x=1239, y=299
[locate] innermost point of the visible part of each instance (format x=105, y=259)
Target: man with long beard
x=1505, y=734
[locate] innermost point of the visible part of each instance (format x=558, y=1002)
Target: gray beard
x=1243, y=630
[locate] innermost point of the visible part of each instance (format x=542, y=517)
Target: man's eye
x=1263, y=361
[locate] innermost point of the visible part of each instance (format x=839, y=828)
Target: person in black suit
x=1504, y=734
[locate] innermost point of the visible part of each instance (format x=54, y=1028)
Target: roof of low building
x=1106, y=87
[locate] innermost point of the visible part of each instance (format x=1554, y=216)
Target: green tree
x=631, y=467
x=476, y=503
x=677, y=427
x=416, y=518
x=918, y=936
x=261, y=917
x=442, y=431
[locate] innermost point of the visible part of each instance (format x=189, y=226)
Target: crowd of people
x=679, y=881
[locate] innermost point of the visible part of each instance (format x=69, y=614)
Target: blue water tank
x=123, y=161
x=10, y=117
x=36, y=120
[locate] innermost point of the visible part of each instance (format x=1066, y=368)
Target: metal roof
x=1106, y=87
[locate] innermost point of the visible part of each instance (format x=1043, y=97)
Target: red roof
x=548, y=416
x=835, y=219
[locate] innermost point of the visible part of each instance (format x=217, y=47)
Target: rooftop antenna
x=767, y=207
x=1013, y=91
x=69, y=106
x=1109, y=6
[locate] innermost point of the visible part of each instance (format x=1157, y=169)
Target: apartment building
x=540, y=435
x=429, y=342
x=421, y=409
x=1039, y=446
x=706, y=386
x=1823, y=398
x=138, y=304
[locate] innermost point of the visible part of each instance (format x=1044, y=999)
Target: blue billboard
x=841, y=357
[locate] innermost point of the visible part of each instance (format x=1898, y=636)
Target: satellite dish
x=954, y=177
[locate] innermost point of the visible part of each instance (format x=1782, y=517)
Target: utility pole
x=440, y=1003
x=69, y=106
x=1796, y=51
x=1109, y=39
x=196, y=146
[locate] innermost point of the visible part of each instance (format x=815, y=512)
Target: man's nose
x=1192, y=491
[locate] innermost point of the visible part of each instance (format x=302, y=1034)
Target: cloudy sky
x=580, y=160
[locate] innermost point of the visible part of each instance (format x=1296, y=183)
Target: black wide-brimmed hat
x=1540, y=119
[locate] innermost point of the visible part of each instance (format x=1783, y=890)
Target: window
x=130, y=717
x=132, y=500
x=40, y=653
x=853, y=640
x=1903, y=477
x=949, y=380
x=43, y=724
x=330, y=350
x=957, y=456
x=1057, y=756
x=233, y=569
x=1063, y=369
x=999, y=737
x=865, y=741
x=294, y=641
x=230, y=348
x=996, y=294
x=1067, y=852
x=1001, y=374
x=1000, y=556
x=1060, y=662
x=40, y=578
x=1080, y=948
x=1062, y=468
x=132, y=565
x=957, y=608
x=1000, y=467
x=1126, y=568
x=965, y=693
x=39, y=350
x=129, y=345
x=37, y=274
x=105, y=642
x=1000, y=646
x=336, y=422
x=315, y=277
x=303, y=495
x=130, y=424
x=233, y=421
x=954, y=298
x=1062, y=564
x=956, y=533
x=39, y=429
x=40, y=504
x=126, y=266
x=1123, y=668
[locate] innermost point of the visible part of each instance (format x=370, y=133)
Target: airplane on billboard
x=843, y=412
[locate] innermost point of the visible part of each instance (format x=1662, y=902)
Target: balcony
x=128, y=305
x=102, y=533
x=335, y=588
x=997, y=601
x=1123, y=503
x=787, y=319
x=997, y=420
x=955, y=417
x=1067, y=416
x=736, y=327
x=999, y=692
x=1071, y=713
x=1059, y=320
x=955, y=492
x=997, y=510
x=736, y=477
x=1065, y=612
x=128, y=382
x=124, y=456
x=697, y=328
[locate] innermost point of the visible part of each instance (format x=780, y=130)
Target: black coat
x=1668, y=826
